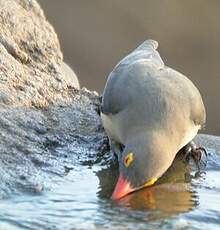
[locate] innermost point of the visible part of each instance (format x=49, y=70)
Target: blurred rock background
x=95, y=35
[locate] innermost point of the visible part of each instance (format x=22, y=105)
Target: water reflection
x=73, y=203
x=171, y=195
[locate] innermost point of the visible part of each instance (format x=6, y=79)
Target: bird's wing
x=180, y=90
x=116, y=92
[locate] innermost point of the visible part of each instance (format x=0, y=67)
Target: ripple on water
x=80, y=200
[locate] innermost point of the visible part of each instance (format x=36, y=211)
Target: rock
x=42, y=110
x=208, y=141
x=39, y=188
x=69, y=75
x=31, y=65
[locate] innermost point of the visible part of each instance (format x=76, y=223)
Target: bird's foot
x=197, y=154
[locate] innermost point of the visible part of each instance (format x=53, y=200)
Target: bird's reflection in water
x=171, y=195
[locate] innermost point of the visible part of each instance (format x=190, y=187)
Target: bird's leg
x=194, y=152
x=116, y=147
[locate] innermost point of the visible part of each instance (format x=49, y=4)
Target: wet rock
x=38, y=188
x=37, y=144
x=209, y=141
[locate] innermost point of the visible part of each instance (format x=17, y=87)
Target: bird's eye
x=128, y=159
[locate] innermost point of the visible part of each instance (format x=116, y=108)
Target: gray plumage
x=152, y=110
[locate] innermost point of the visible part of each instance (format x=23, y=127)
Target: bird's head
x=140, y=165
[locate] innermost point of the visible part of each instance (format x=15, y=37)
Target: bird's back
x=148, y=94
x=123, y=76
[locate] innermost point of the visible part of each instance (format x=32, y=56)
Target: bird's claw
x=197, y=154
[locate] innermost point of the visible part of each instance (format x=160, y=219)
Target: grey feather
x=145, y=52
x=135, y=72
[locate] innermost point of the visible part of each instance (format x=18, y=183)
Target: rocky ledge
x=42, y=110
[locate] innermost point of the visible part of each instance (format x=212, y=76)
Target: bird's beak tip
x=122, y=188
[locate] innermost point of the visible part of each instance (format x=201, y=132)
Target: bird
x=149, y=112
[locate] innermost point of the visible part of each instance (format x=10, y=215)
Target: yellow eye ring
x=128, y=159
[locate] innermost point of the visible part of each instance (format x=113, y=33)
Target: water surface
x=80, y=199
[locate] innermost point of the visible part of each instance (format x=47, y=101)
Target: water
x=81, y=200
